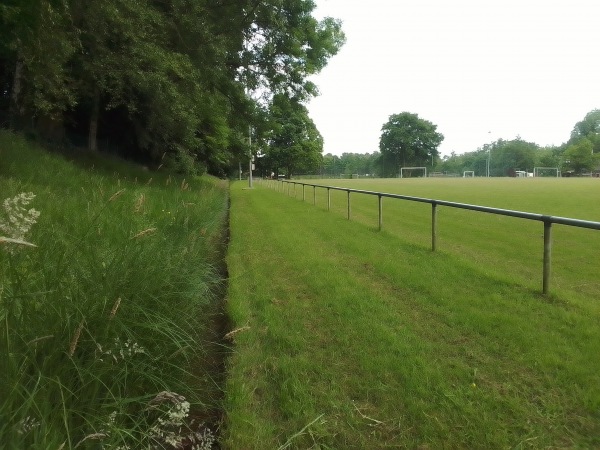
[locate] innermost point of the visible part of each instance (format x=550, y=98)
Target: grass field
x=489, y=240
x=353, y=338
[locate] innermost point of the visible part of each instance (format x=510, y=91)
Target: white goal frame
x=536, y=171
x=413, y=168
x=472, y=172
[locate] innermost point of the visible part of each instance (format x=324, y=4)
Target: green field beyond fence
x=348, y=337
x=476, y=235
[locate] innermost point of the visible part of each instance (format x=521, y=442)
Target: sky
x=480, y=70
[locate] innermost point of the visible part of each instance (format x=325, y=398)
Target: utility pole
x=250, y=155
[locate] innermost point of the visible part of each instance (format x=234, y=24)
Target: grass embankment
x=113, y=307
x=352, y=338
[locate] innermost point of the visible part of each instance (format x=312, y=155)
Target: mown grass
x=512, y=248
x=353, y=338
x=113, y=307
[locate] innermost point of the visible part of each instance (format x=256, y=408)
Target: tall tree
x=284, y=44
x=166, y=77
x=36, y=43
x=580, y=157
x=294, y=143
x=588, y=128
x=508, y=156
x=409, y=140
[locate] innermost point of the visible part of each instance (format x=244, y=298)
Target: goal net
x=469, y=174
x=413, y=172
x=546, y=172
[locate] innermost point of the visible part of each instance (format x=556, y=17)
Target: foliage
x=349, y=164
x=505, y=157
x=144, y=78
x=294, y=143
x=409, y=140
x=107, y=321
x=589, y=128
x=580, y=157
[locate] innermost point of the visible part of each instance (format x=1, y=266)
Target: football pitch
x=512, y=247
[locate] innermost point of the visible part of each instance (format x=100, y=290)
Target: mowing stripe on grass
x=356, y=339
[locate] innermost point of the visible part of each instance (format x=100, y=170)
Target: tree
x=588, y=128
x=36, y=43
x=294, y=142
x=284, y=45
x=579, y=157
x=508, y=156
x=548, y=157
x=162, y=78
x=409, y=140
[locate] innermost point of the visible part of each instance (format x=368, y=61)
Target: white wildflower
x=18, y=219
x=27, y=424
x=203, y=439
x=120, y=351
x=171, y=427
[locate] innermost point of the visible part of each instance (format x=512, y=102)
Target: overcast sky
x=478, y=69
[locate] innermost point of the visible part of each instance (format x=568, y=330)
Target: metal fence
x=547, y=221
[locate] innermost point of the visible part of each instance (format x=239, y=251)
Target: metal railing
x=547, y=221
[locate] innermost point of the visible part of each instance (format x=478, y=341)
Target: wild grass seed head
x=144, y=233
x=139, y=204
x=115, y=308
x=116, y=194
x=76, y=337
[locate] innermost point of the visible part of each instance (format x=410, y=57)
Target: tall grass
x=105, y=323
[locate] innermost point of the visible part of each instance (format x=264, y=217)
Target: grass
x=354, y=338
x=113, y=307
x=484, y=239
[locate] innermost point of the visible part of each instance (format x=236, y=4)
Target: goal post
x=546, y=172
x=406, y=172
x=469, y=174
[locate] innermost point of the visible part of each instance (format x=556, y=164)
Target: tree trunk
x=93, y=137
x=15, y=112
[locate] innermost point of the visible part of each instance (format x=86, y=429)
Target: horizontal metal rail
x=548, y=221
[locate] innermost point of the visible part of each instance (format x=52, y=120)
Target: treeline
x=579, y=155
x=174, y=82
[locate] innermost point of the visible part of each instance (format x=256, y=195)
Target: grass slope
x=352, y=338
x=114, y=306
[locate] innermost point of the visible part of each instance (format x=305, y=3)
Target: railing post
x=433, y=226
x=348, y=204
x=314, y=195
x=303, y=196
x=380, y=212
x=328, y=199
x=547, y=256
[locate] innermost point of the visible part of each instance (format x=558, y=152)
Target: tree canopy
x=294, y=143
x=157, y=80
x=408, y=140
